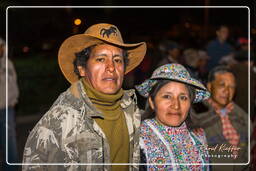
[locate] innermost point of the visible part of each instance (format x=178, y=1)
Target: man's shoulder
x=202, y=109
x=65, y=107
x=70, y=98
x=58, y=117
x=204, y=115
x=129, y=98
x=129, y=92
x=237, y=109
x=239, y=114
x=146, y=130
x=59, y=120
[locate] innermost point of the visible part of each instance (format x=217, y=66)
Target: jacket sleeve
x=43, y=144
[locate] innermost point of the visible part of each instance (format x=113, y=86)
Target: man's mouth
x=224, y=97
x=109, y=79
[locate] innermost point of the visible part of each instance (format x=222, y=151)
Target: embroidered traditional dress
x=164, y=144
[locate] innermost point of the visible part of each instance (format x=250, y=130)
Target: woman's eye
x=100, y=59
x=183, y=97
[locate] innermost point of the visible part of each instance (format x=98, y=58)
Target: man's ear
x=151, y=103
x=217, y=32
x=81, y=71
x=209, y=86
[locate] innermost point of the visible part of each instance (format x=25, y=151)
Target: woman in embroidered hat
x=166, y=135
x=95, y=120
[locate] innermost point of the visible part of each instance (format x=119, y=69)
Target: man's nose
x=227, y=90
x=110, y=66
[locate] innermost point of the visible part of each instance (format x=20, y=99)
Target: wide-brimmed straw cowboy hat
x=96, y=34
x=173, y=72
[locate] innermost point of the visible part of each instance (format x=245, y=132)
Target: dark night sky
x=215, y=16
x=30, y=23
x=34, y=25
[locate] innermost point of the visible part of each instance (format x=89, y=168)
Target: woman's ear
x=151, y=103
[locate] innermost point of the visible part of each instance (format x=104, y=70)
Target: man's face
x=222, y=88
x=223, y=33
x=105, y=68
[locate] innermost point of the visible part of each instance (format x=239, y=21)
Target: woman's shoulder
x=146, y=128
x=199, y=133
x=146, y=122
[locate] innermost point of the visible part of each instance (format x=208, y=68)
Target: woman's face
x=171, y=104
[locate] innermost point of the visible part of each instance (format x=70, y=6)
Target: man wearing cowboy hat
x=95, y=120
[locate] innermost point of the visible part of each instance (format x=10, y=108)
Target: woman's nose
x=175, y=104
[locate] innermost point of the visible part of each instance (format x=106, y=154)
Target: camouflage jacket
x=68, y=134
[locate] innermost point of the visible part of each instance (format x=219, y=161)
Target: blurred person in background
x=241, y=70
x=145, y=69
x=245, y=64
x=170, y=52
x=224, y=122
x=203, y=61
x=219, y=48
x=13, y=94
x=242, y=44
x=195, y=62
x=192, y=59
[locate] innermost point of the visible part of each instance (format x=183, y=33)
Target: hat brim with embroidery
x=173, y=72
x=97, y=34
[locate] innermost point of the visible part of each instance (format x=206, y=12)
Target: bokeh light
x=77, y=21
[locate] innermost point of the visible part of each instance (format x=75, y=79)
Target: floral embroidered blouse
x=163, y=144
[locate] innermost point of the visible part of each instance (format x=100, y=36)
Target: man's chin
x=224, y=104
x=110, y=91
x=221, y=103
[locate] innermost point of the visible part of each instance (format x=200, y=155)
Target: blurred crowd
x=199, y=61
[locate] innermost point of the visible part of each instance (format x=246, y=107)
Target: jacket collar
x=77, y=91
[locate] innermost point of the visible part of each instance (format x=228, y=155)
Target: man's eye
x=100, y=59
x=166, y=96
x=118, y=60
x=222, y=84
x=233, y=87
